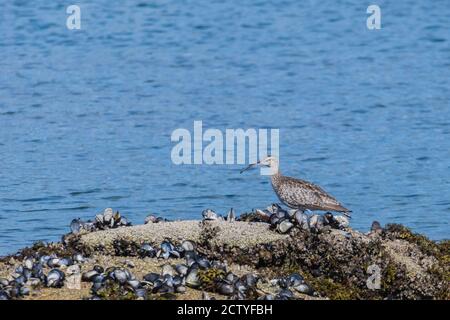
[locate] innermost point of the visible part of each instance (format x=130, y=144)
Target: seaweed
x=210, y=277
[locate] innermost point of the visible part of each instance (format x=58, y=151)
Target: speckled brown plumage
x=300, y=194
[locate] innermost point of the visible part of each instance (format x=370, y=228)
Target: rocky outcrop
x=333, y=262
x=339, y=264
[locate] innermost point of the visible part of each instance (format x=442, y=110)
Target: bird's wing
x=312, y=196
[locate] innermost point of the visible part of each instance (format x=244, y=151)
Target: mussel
x=284, y=226
x=192, y=279
x=55, y=278
x=209, y=214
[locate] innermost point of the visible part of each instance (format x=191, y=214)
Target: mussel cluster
x=211, y=215
x=121, y=283
x=284, y=220
x=114, y=283
x=106, y=220
x=195, y=272
x=46, y=270
x=238, y=288
x=32, y=274
x=165, y=250
x=151, y=218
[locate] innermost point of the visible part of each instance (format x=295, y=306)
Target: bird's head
x=270, y=162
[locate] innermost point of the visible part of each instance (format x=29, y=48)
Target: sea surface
x=86, y=115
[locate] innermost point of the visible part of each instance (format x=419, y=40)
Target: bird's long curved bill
x=249, y=167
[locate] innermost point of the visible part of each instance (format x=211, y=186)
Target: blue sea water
x=86, y=115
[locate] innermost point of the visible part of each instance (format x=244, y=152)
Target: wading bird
x=296, y=193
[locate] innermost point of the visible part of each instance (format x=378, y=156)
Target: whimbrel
x=296, y=193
